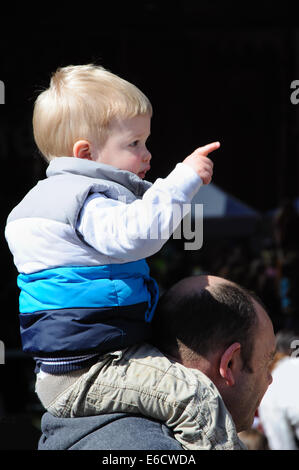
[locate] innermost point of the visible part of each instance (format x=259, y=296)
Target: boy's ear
x=229, y=363
x=81, y=149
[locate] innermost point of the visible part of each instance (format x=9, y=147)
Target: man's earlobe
x=81, y=149
x=228, y=359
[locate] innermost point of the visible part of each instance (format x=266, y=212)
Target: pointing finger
x=206, y=149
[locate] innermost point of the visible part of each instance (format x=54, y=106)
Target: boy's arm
x=128, y=232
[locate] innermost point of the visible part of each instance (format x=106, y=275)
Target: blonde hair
x=79, y=104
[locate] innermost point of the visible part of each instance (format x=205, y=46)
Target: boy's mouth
x=142, y=173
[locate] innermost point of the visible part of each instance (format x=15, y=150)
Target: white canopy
x=223, y=214
x=217, y=203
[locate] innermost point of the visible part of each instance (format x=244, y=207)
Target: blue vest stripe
x=88, y=287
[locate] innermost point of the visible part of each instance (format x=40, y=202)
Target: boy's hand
x=200, y=163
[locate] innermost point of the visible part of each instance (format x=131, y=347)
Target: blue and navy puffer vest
x=74, y=303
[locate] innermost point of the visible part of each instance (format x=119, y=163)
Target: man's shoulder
x=117, y=431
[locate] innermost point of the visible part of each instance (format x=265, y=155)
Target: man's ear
x=229, y=359
x=81, y=149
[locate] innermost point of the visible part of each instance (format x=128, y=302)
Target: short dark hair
x=205, y=321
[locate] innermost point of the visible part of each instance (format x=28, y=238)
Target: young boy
x=80, y=238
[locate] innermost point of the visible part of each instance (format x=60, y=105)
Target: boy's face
x=125, y=147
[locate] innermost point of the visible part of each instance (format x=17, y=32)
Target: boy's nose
x=147, y=157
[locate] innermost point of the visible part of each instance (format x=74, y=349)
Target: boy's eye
x=134, y=144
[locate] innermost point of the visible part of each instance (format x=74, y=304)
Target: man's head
x=218, y=327
x=89, y=112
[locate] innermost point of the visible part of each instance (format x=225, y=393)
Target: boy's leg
x=49, y=386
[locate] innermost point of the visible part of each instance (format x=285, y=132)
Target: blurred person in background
x=279, y=409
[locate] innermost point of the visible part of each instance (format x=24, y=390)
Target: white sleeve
x=138, y=230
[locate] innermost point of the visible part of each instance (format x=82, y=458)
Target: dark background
x=212, y=70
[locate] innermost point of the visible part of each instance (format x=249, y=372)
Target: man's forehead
x=265, y=331
x=262, y=315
